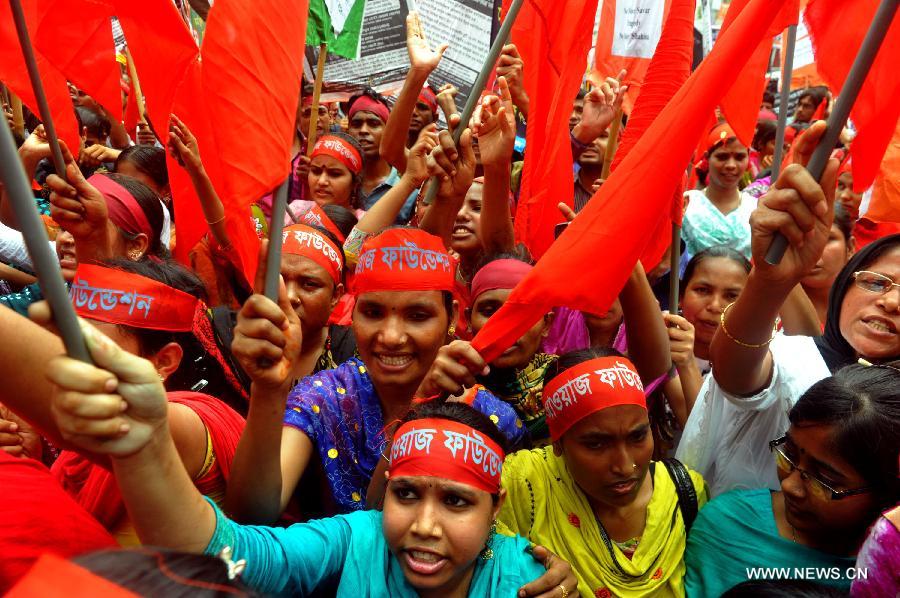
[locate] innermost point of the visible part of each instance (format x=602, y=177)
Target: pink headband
x=367, y=104
x=124, y=210
x=499, y=274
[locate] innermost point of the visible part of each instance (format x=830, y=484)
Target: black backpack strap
x=684, y=487
x=224, y=319
x=343, y=343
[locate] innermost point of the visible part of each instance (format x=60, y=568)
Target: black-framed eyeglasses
x=817, y=487
x=874, y=282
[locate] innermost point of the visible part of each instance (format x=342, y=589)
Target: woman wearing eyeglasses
x=758, y=376
x=837, y=466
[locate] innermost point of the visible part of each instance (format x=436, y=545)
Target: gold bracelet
x=217, y=221
x=736, y=341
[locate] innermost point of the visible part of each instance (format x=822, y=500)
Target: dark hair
x=711, y=252
x=519, y=254
x=330, y=236
x=844, y=221
x=149, y=160
x=816, y=94
x=355, y=193
x=162, y=572
x=341, y=217
x=768, y=97
x=96, y=124
x=150, y=204
x=581, y=93
x=573, y=358
x=203, y=365
x=862, y=403
x=782, y=588
x=765, y=132
x=461, y=413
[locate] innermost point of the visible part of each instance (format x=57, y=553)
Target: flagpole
x=43, y=107
x=136, y=87
x=317, y=92
x=480, y=83
x=674, y=277
x=786, y=74
x=46, y=265
x=276, y=228
x=847, y=97
x=612, y=144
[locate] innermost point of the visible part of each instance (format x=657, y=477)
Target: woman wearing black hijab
x=757, y=375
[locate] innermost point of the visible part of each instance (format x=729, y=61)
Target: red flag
x=162, y=49
x=741, y=104
x=553, y=38
x=15, y=75
x=627, y=38
x=837, y=28
x=618, y=230
x=668, y=70
x=76, y=36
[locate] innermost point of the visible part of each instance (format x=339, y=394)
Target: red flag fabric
x=76, y=36
x=627, y=37
x=837, y=28
x=15, y=75
x=162, y=48
x=252, y=67
x=553, y=38
x=618, y=230
x=885, y=203
x=668, y=70
x=741, y=104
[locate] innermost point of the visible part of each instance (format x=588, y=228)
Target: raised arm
x=384, y=212
x=455, y=169
x=267, y=463
x=422, y=61
x=183, y=146
x=494, y=125
x=648, y=341
x=601, y=106
x=798, y=207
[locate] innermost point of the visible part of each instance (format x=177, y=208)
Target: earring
x=487, y=552
x=451, y=331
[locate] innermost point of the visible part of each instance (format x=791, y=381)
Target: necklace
x=793, y=533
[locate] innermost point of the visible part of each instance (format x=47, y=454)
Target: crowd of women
x=348, y=439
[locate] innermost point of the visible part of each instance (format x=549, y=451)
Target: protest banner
x=382, y=63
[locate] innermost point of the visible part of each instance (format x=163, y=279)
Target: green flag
x=336, y=23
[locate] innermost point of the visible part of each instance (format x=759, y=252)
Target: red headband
x=719, y=134
x=427, y=96
x=404, y=259
x=499, y=274
x=461, y=454
x=367, y=104
x=339, y=149
x=300, y=239
x=316, y=216
x=590, y=387
x=124, y=210
x=117, y=297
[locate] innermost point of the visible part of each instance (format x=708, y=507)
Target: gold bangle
x=217, y=221
x=736, y=341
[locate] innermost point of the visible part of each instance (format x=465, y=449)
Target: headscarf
x=498, y=274
x=299, y=239
x=124, y=210
x=367, y=104
x=588, y=387
x=404, y=259
x=835, y=349
x=341, y=150
x=459, y=453
x=721, y=133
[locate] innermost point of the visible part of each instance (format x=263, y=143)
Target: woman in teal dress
x=434, y=537
x=837, y=465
